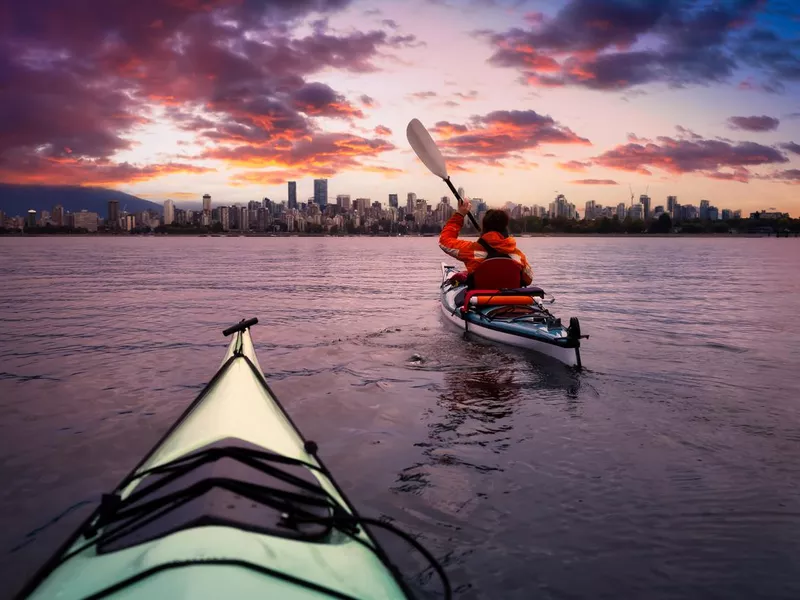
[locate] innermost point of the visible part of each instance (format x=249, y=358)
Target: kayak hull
x=543, y=338
x=215, y=552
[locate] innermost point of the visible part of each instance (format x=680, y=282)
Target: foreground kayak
x=231, y=503
x=514, y=317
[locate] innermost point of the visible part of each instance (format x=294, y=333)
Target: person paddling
x=494, y=242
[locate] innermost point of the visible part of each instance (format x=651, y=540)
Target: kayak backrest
x=497, y=274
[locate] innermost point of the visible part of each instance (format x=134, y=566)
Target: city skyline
x=571, y=97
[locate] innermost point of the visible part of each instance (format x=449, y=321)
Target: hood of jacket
x=506, y=245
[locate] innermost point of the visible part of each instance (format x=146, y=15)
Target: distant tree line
x=663, y=224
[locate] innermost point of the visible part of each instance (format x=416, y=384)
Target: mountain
x=19, y=199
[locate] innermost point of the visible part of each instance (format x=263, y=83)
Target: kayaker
x=494, y=242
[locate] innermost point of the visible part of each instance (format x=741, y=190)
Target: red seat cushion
x=497, y=274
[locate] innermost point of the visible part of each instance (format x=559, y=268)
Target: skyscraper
x=321, y=192
x=169, y=212
x=292, y=194
x=207, y=203
x=58, y=216
x=113, y=214
x=671, y=202
x=343, y=200
x=644, y=200
x=704, y=205
x=411, y=201
x=393, y=201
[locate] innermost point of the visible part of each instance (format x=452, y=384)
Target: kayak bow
x=231, y=503
x=514, y=317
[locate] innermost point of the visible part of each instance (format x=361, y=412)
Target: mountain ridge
x=18, y=199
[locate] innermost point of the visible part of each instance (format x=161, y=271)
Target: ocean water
x=667, y=468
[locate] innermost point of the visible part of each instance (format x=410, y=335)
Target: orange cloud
x=574, y=165
x=594, y=182
x=92, y=172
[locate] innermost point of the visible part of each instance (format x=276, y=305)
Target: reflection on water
x=665, y=469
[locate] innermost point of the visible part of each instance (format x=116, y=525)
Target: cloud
x=423, y=95
x=448, y=129
x=762, y=123
x=318, y=99
x=594, y=181
x=390, y=23
x=382, y=130
x=470, y=95
x=790, y=176
x=618, y=44
x=503, y=134
x=80, y=81
x=678, y=156
x=574, y=166
x=66, y=171
x=791, y=147
x=324, y=154
x=683, y=132
x=367, y=101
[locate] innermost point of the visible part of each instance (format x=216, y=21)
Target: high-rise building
x=343, y=201
x=671, y=202
x=393, y=201
x=644, y=200
x=621, y=211
x=411, y=202
x=727, y=214
x=292, y=203
x=30, y=220
x=224, y=218
x=588, y=214
x=207, y=203
x=169, y=212
x=113, y=214
x=636, y=212
x=85, y=220
x=58, y=216
x=712, y=213
x=321, y=192
x=704, y=204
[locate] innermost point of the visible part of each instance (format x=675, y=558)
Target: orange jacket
x=472, y=253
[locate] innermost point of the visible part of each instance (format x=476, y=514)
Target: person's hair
x=495, y=220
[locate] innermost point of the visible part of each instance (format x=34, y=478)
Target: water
x=668, y=468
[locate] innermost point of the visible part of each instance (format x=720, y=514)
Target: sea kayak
x=514, y=317
x=233, y=502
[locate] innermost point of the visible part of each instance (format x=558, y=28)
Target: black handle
x=240, y=326
x=453, y=189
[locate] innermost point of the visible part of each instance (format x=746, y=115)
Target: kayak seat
x=497, y=274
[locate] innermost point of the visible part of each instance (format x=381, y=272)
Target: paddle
x=427, y=151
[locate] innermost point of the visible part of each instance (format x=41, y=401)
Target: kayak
x=233, y=502
x=514, y=317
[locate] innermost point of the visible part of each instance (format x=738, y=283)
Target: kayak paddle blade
x=425, y=148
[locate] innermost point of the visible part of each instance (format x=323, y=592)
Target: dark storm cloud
x=79, y=77
x=618, y=44
x=755, y=123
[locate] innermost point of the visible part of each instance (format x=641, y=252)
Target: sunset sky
x=177, y=98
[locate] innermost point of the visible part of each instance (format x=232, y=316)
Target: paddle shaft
x=458, y=197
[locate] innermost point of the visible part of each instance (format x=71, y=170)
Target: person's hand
x=464, y=207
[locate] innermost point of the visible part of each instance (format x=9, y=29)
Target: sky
x=526, y=98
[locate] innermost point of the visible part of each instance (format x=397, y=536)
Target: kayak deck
x=530, y=325
x=232, y=502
